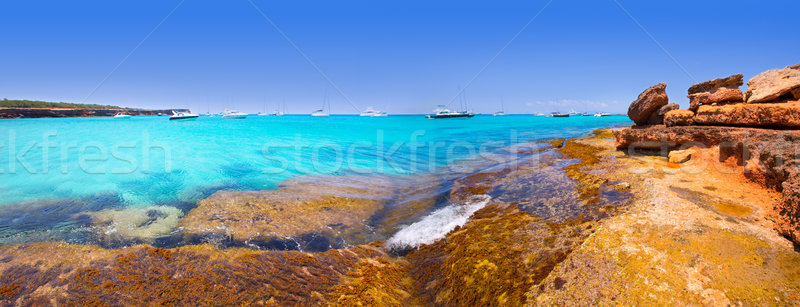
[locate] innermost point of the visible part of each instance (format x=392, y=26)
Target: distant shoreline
x=12, y=112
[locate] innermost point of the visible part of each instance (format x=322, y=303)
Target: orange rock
x=648, y=103
x=679, y=118
x=774, y=85
x=785, y=115
x=722, y=90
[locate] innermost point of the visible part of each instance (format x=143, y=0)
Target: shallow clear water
x=151, y=160
x=97, y=163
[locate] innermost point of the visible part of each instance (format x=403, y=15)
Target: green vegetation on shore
x=13, y=103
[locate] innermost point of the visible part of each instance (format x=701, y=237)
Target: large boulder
x=768, y=115
x=679, y=118
x=774, y=85
x=648, y=103
x=717, y=91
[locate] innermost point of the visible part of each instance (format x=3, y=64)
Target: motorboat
x=559, y=114
x=601, y=114
x=370, y=112
x=441, y=112
x=585, y=114
x=121, y=115
x=573, y=112
x=539, y=114
x=182, y=115
x=233, y=114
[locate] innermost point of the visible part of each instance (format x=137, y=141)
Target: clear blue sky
x=400, y=56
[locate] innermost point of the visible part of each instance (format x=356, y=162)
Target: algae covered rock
x=333, y=210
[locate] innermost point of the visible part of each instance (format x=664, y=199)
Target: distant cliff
x=40, y=113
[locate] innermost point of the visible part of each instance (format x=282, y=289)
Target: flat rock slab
x=778, y=115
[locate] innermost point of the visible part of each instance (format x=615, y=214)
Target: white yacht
x=370, y=112
x=121, y=115
x=182, y=115
x=601, y=114
x=233, y=114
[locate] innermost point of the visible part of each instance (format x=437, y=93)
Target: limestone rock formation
x=648, y=103
x=774, y=115
x=717, y=91
x=788, y=210
x=679, y=118
x=774, y=85
x=657, y=118
x=768, y=157
x=680, y=156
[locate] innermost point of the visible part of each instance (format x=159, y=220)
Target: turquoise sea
x=152, y=161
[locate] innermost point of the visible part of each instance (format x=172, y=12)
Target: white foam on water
x=436, y=225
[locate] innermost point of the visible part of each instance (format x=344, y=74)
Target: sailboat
x=265, y=111
x=502, y=109
x=321, y=112
x=278, y=112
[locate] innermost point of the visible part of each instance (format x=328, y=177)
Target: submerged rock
x=145, y=224
x=334, y=209
x=648, y=103
x=774, y=85
x=717, y=91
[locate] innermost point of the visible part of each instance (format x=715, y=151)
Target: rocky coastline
x=757, y=132
x=663, y=214
x=7, y=113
